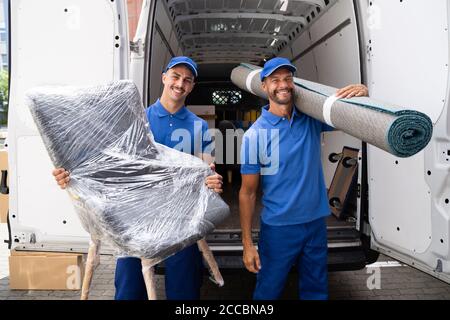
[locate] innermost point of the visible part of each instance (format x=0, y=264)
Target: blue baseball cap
x=274, y=64
x=188, y=62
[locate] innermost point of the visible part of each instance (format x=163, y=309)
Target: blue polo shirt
x=287, y=155
x=183, y=130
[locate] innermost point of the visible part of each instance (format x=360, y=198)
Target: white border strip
x=386, y=264
x=250, y=77
x=327, y=109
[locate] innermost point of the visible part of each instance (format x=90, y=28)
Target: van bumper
x=339, y=259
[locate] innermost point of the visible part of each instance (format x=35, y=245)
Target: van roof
x=233, y=31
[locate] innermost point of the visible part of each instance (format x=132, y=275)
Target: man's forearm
x=247, y=208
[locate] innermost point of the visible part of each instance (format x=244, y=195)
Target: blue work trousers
x=183, y=276
x=281, y=247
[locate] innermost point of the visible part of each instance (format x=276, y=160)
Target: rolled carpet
x=396, y=130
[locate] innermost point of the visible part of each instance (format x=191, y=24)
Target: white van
x=400, y=49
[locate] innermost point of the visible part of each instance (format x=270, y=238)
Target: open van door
x=408, y=64
x=55, y=42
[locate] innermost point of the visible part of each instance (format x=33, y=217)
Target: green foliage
x=4, y=91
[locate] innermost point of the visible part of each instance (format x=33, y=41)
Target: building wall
x=134, y=10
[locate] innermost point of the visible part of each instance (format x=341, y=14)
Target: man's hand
x=354, y=90
x=62, y=177
x=251, y=259
x=215, y=181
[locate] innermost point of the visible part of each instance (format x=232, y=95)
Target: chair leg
x=216, y=276
x=92, y=261
x=148, y=272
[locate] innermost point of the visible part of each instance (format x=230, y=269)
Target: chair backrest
x=145, y=199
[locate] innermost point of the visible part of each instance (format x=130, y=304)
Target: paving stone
x=387, y=292
x=382, y=298
x=411, y=291
x=430, y=297
x=435, y=290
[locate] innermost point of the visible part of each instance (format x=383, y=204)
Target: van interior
x=321, y=37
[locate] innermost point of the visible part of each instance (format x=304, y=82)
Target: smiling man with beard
x=174, y=126
x=283, y=150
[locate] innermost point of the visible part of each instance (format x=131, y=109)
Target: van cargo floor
x=231, y=197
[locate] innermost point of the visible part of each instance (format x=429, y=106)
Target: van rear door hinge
x=439, y=267
x=137, y=47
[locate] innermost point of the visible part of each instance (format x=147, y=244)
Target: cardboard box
x=45, y=271
x=4, y=199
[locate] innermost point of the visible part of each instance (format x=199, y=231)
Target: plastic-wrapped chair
x=142, y=198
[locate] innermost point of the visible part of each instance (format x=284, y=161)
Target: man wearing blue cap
x=169, y=118
x=282, y=149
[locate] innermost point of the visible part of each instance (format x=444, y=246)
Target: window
x=224, y=97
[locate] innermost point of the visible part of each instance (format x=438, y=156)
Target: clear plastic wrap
x=144, y=199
